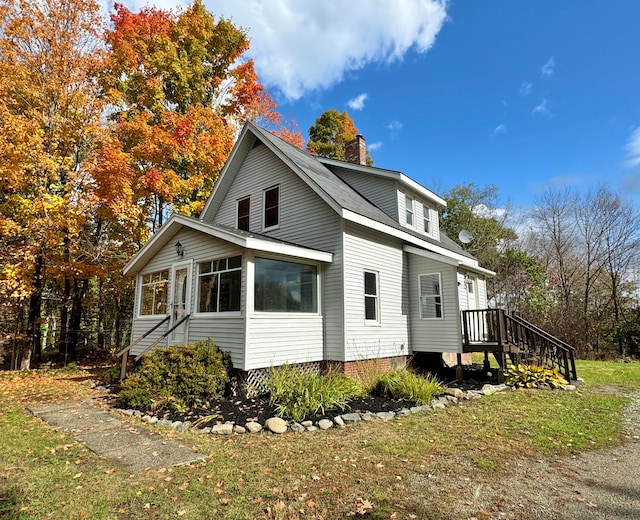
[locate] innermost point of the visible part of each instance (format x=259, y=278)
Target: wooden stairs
x=513, y=339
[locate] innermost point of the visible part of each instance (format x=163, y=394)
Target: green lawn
x=372, y=470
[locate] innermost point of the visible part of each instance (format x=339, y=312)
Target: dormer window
x=409, y=210
x=271, y=207
x=426, y=219
x=244, y=206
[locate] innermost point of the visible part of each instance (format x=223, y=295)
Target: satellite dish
x=465, y=236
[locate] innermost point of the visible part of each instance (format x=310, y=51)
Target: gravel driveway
x=598, y=485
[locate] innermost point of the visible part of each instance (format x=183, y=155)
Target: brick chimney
x=356, y=151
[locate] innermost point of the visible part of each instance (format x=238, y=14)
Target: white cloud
x=549, y=68
x=525, y=89
x=299, y=47
x=500, y=129
x=374, y=146
x=633, y=148
x=357, y=103
x=542, y=109
x=394, y=125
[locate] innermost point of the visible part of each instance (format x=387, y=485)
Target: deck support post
x=459, y=371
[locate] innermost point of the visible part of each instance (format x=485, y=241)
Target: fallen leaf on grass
x=225, y=501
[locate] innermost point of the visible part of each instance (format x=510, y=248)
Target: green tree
x=332, y=131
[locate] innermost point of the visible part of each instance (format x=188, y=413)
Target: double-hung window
x=153, y=297
x=409, y=210
x=430, y=296
x=219, y=285
x=243, y=213
x=271, y=207
x=426, y=219
x=282, y=286
x=371, y=297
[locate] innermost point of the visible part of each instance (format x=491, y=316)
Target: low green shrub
x=298, y=394
x=402, y=383
x=178, y=377
x=533, y=376
x=111, y=373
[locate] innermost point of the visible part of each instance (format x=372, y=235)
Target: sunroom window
x=219, y=285
x=153, y=298
x=282, y=286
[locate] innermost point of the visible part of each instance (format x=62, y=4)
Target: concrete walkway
x=132, y=447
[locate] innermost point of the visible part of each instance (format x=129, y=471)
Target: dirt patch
x=600, y=485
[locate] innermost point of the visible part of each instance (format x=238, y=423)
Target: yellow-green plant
x=534, y=376
x=402, y=383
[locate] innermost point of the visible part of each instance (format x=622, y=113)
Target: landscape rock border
x=278, y=426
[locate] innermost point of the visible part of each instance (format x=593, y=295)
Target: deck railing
x=494, y=329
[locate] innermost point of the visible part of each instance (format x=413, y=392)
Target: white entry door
x=180, y=302
x=471, y=287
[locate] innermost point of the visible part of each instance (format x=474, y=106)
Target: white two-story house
x=301, y=259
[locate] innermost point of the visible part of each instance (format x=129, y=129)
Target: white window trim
x=376, y=321
x=188, y=265
x=139, y=315
x=251, y=268
x=217, y=314
x=427, y=218
x=238, y=210
x=264, y=208
x=409, y=208
x=439, y=275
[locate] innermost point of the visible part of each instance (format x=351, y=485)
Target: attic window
x=271, y=207
x=426, y=219
x=409, y=208
x=243, y=213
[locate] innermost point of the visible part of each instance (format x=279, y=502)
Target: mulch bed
x=243, y=410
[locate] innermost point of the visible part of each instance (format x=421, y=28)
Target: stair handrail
x=138, y=340
x=567, y=350
x=175, y=326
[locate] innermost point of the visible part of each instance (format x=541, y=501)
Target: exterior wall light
x=179, y=248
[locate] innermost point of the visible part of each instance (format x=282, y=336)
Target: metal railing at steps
x=125, y=351
x=531, y=344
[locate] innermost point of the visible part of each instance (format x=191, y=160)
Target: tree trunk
x=101, y=310
x=33, y=344
x=80, y=288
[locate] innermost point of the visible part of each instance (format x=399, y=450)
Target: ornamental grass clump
x=177, y=378
x=403, y=383
x=297, y=394
x=534, y=376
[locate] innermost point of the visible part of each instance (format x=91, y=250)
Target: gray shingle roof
x=344, y=195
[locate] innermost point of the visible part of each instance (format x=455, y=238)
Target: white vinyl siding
x=434, y=335
x=282, y=338
x=304, y=220
x=228, y=333
x=366, y=250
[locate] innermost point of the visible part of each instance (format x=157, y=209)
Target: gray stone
x=297, y=427
x=500, y=388
x=202, y=430
x=339, y=421
x=444, y=400
x=425, y=408
x=351, y=417
x=488, y=389
x=239, y=429
x=176, y=424
x=137, y=413
x=438, y=404
x=368, y=416
x=325, y=424
x=165, y=422
x=222, y=429
x=403, y=412
x=153, y=419
x=306, y=424
x=184, y=426
x=415, y=409
x=312, y=428
x=455, y=392
x=253, y=427
x=128, y=412
x=276, y=425
x=570, y=388
x=386, y=416
x=145, y=418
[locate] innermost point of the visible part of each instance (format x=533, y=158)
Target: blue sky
x=525, y=96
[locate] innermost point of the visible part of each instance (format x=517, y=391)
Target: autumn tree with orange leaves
x=102, y=133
